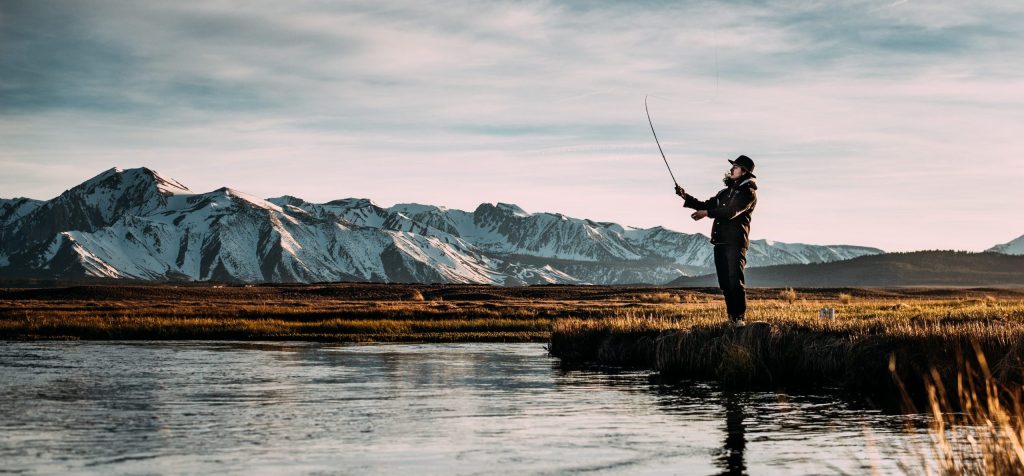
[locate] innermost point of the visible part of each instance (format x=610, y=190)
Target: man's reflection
x=731, y=458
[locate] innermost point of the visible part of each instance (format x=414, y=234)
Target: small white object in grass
x=827, y=313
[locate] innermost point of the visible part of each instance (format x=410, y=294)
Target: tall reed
x=977, y=420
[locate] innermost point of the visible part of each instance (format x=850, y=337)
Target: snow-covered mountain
x=1014, y=247
x=138, y=224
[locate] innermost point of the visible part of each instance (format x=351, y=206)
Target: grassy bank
x=871, y=340
x=446, y=313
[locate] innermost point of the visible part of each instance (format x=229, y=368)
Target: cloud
x=852, y=110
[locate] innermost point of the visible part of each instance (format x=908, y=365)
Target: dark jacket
x=731, y=208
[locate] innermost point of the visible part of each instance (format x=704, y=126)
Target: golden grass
x=317, y=313
x=412, y=312
x=924, y=316
x=977, y=421
x=347, y=312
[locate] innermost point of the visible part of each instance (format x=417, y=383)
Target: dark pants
x=729, y=263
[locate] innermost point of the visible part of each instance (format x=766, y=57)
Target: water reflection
x=463, y=409
x=767, y=432
x=731, y=458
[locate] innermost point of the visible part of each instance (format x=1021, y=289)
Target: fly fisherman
x=730, y=234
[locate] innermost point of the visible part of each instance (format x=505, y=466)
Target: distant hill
x=919, y=268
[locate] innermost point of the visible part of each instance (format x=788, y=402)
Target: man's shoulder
x=749, y=185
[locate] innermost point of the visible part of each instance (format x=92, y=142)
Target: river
x=270, y=408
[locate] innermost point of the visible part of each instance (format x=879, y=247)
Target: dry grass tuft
x=789, y=295
x=845, y=298
x=660, y=298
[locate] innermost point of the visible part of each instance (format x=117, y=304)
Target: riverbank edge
x=438, y=338
x=880, y=368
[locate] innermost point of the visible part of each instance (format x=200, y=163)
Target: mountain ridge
x=138, y=224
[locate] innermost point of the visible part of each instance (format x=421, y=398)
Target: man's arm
x=690, y=202
x=741, y=201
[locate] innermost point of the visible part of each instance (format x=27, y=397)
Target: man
x=730, y=234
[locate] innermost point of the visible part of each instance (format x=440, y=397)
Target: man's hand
x=697, y=215
x=680, y=191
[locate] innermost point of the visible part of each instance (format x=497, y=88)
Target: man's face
x=735, y=172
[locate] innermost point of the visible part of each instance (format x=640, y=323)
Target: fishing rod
x=659, y=143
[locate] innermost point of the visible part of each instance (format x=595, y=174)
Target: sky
x=894, y=124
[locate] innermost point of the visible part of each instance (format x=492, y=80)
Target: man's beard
x=728, y=180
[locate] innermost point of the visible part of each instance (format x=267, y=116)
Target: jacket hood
x=748, y=182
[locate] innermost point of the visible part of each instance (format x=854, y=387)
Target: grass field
x=377, y=312
x=336, y=312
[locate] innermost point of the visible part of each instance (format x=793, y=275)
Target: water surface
x=244, y=408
